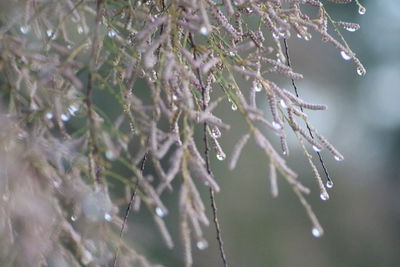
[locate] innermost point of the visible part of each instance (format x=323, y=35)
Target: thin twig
x=328, y=178
x=207, y=160
x=128, y=209
x=93, y=158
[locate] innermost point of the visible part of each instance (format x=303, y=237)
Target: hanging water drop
x=337, y=158
x=110, y=155
x=204, y=30
x=257, y=86
x=72, y=110
x=276, y=125
x=233, y=107
x=111, y=33
x=316, y=149
x=316, y=232
x=49, y=115
x=202, y=244
x=232, y=54
x=6, y=197
x=275, y=35
x=64, y=117
x=56, y=184
x=80, y=29
x=249, y=10
x=221, y=155
x=283, y=104
x=24, y=29
x=73, y=218
x=215, y=132
x=324, y=196
x=107, y=217
x=350, y=29
x=362, y=10
x=299, y=36
x=51, y=34
x=329, y=184
x=361, y=71
x=159, y=212
x=344, y=55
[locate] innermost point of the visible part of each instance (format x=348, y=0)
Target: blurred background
x=361, y=219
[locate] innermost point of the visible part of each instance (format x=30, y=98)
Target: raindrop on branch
x=316, y=232
x=344, y=55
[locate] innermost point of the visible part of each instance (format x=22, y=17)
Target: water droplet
x=73, y=218
x=233, y=107
x=324, y=196
x=215, y=132
x=275, y=35
x=107, y=217
x=24, y=29
x=80, y=29
x=307, y=37
x=56, y=184
x=69, y=46
x=159, y=212
x=110, y=155
x=72, y=110
x=21, y=135
x=362, y=10
x=111, y=34
x=221, y=155
x=337, y=158
x=232, y=54
x=350, y=29
x=329, y=184
x=249, y=10
x=49, y=115
x=316, y=149
x=51, y=34
x=344, y=55
x=257, y=88
x=6, y=197
x=316, y=232
x=283, y=104
x=202, y=244
x=361, y=71
x=299, y=36
x=64, y=117
x=276, y=125
x=204, y=30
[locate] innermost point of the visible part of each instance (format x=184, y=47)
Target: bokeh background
x=362, y=217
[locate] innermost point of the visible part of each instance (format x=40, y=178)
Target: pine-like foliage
x=93, y=91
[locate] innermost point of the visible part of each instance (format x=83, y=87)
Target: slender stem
x=93, y=158
x=207, y=159
x=328, y=178
x=128, y=209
